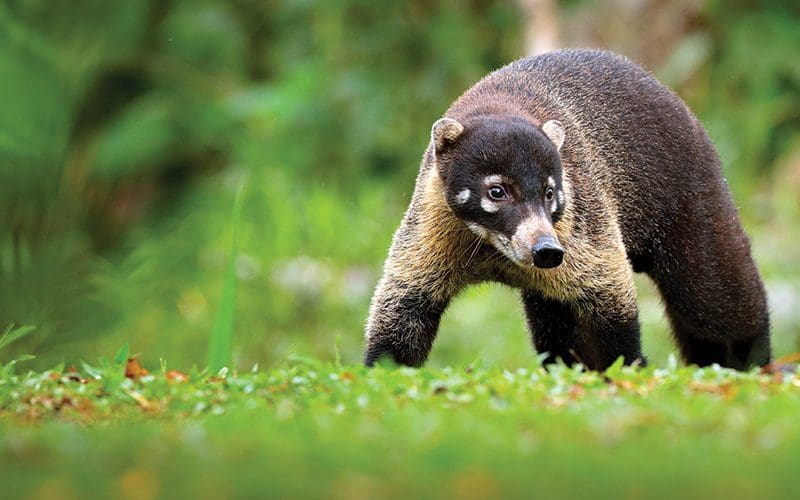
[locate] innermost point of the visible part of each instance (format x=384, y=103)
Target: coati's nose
x=547, y=252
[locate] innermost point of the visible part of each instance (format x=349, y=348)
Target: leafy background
x=128, y=127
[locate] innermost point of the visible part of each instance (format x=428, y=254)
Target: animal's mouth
x=545, y=253
x=503, y=245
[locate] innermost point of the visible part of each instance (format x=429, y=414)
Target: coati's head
x=503, y=177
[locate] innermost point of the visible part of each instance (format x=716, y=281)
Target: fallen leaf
x=576, y=391
x=625, y=384
x=785, y=364
x=789, y=358
x=176, y=376
x=725, y=389
x=134, y=370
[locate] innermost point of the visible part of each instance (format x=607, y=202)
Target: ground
x=314, y=429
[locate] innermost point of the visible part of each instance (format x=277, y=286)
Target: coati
x=561, y=175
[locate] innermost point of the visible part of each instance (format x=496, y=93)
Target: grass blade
x=219, y=344
x=122, y=354
x=12, y=334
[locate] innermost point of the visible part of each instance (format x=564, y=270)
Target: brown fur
x=643, y=191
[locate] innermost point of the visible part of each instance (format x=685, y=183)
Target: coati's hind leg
x=717, y=307
x=740, y=355
x=700, y=346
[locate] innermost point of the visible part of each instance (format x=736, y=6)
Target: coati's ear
x=555, y=132
x=443, y=131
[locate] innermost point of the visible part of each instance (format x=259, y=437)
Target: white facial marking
x=560, y=197
x=479, y=230
x=503, y=244
x=551, y=182
x=486, y=204
x=492, y=179
x=489, y=206
x=463, y=196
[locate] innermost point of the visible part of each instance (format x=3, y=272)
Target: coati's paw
x=384, y=351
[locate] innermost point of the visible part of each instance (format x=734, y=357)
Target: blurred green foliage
x=749, y=97
x=127, y=128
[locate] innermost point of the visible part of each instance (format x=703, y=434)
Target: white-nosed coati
x=560, y=175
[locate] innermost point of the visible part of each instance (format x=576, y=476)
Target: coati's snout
x=534, y=243
x=547, y=252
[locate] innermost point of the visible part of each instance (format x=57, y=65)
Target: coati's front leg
x=426, y=267
x=610, y=330
x=403, y=322
x=552, y=327
x=596, y=328
x=419, y=279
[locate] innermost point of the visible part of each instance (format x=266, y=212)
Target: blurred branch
x=541, y=26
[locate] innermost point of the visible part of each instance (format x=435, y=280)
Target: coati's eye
x=497, y=193
x=549, y=193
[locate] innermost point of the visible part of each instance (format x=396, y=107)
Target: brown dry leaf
x=65, y=402
x=347, y=376
x=576, y=392
x=729, y=389
x=785, y=364
x=279, y=388
x=134, y=370
x=725, y=389
x=176, y=376
x=789, y=358
x=625, y=384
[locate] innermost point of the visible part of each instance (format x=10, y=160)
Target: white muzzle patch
x=489, y=206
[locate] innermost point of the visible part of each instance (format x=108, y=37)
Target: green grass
x=221, y=339
x=312, y=429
